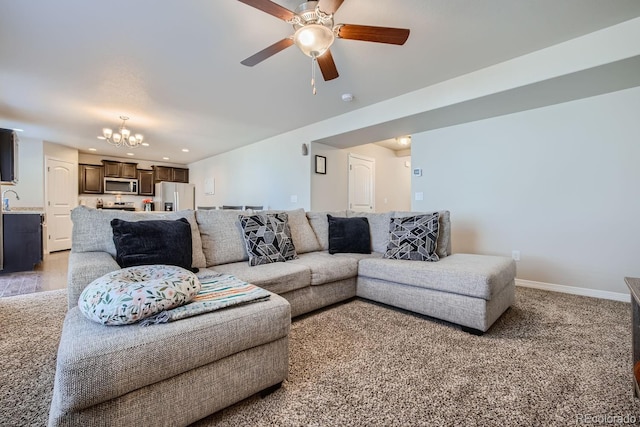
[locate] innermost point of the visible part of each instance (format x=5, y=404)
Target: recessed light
x=145, y=144
x=165, y=158
x=186, y=150
x=101, y=137
x=129, y=154
x=92, y=149
x=347, y=97
x=404, y=140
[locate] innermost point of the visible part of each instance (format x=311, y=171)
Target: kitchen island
x=22, y=240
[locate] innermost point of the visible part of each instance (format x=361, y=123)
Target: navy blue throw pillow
x=349, y=235
x=153, y=242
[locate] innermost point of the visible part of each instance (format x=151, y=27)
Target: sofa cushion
x=131, y=294
x=349, y=235
x=96, y=363
x=268, y=238
x=92, y=229
x=304, y=239
x=480, y=276
x=413, y=238
x=277, y=277
x=378, y=226
x=358, y=257
x=152, y=242
x=443, y=248
x=326, y=268
x=222, y=237
x=320, y=225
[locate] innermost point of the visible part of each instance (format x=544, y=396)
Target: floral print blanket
x=217, y=291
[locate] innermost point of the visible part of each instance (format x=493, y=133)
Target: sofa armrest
x=84, y=268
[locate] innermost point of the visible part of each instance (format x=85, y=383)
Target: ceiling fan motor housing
x=308, y=13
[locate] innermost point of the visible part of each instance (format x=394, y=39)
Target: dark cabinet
x=8, y=156
x=91, y=179
x=170, y=174
x=180, y=175
x=113, y=169
x=146, y=184
x=163, y=173
x=128, y=170
x=22, y=242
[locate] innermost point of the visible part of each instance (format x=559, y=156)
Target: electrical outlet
x=419, y=195
x=294, y=199
x=515, y=255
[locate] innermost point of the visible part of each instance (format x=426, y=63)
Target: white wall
x=392, y=182
x=30, y=186
x=559, y=183
x=271, y=173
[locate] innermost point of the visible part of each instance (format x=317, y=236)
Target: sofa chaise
x=183, y=371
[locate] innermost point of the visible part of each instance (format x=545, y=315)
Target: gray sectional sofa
x=183, y=371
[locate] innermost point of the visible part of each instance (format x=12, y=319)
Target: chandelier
x=123, y=137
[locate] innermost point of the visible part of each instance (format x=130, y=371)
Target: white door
x=362, y=173
x=61, y=198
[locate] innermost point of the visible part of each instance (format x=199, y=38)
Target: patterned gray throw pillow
x=268, y=238
x=413, y=238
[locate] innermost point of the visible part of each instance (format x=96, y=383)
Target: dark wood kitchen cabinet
x=113, y=169
x=163, y=173
x=22, y=241
x=146, y=184
x=170, y=174
x=91, y=179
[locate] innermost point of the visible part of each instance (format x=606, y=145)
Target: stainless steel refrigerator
x=174, y=196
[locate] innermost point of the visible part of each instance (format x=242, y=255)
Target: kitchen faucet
x=5, y=200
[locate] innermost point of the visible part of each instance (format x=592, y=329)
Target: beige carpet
x=552, y=359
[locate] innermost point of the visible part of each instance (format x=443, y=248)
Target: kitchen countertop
x=23, y=211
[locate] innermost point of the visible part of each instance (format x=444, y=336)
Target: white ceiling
x=68, y=68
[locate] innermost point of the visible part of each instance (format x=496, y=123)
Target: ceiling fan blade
x=271, y=8
x=267, y=52
x=327, y=66
x=373, y=34
x=329, y=6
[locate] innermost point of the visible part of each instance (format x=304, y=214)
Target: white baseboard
x=616, y=296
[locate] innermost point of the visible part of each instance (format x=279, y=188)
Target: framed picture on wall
x=321, y=164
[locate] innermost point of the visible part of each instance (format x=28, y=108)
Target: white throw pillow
x=128, y=295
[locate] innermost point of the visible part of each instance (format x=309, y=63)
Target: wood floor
x=48, y=275
x=54, y=268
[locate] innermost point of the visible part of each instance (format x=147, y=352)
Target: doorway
x=61, y=198
x=362, y=173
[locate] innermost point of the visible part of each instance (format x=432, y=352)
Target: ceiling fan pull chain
x=313, y=75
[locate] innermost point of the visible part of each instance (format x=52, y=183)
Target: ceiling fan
x=315, y=32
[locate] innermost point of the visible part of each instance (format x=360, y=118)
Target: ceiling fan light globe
x=313, y=39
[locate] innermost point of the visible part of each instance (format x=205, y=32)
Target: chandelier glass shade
x=123, y=137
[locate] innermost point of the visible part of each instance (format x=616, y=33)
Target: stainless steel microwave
x=120, y=186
